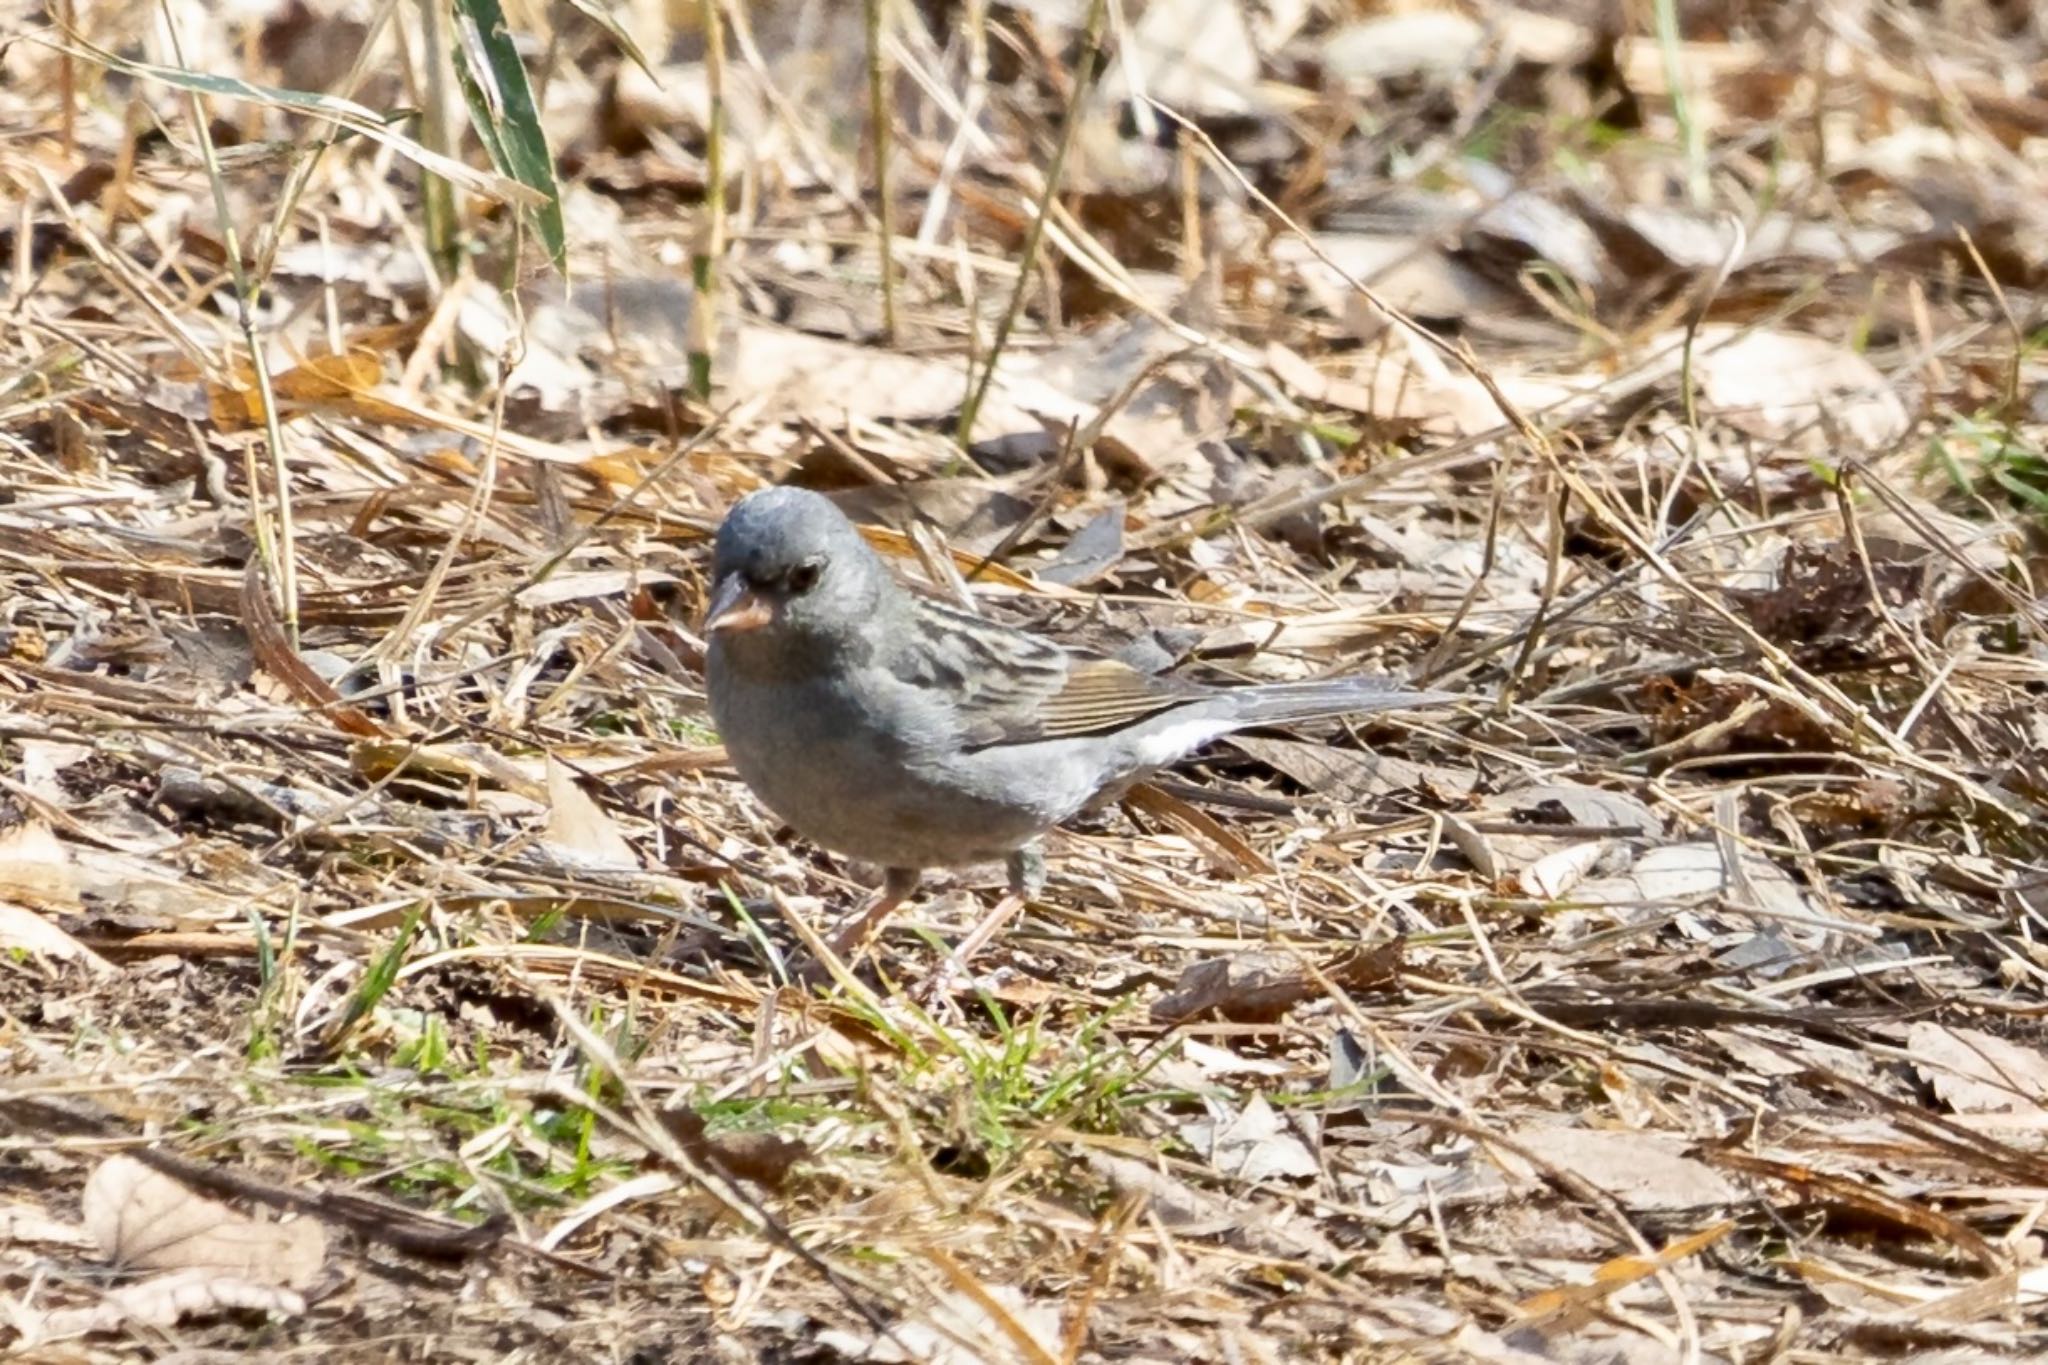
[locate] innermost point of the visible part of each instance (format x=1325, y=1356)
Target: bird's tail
x=1173, y=734
x=1354, y=694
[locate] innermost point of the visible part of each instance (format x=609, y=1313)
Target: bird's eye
x=804, y=576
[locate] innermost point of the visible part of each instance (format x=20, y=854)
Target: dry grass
x=1676, y=997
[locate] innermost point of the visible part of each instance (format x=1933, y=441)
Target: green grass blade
x=604, y=19
x=378, y=979
x=501, y=108
x=2020, y=488
x=505, y=188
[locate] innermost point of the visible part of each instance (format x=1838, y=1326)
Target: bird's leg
x=1026, y=869
x=898, y=885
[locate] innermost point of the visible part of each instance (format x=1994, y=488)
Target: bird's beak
x=735, y=606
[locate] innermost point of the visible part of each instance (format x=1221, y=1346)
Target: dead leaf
x=29, y=1225
x=320, y=380
x=43, y=763
x=1091, y=551
x=579, y=825
x=25, y=930
x=1679, y=873
x=1405, y=270
x=1773, y=384
x=1554, y=875
x=36, y=866
x=571, y=587
x=1574, y=1300
x=162, y=1301
x=1979, y=1073
x=1245, y=988
x=1352, y=775
x=1643, y=1171
x=462, y=762
x=1194, y=56
x=1550, y=865
x=974, y=515
x=1206, y=1062
x=146, y=1220
x=963, y=1325
x=1252, y=1145
x=1225, y=849
x=1408, y=42
x=279, y=658
x=764, y=1158
x=835, y=382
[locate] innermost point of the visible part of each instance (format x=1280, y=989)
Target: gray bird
x=894, y=730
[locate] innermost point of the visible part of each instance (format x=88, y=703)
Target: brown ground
x=390, y=949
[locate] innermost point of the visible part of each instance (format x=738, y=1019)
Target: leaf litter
x=1676, y=996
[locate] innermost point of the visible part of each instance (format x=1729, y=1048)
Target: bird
x=896, y=730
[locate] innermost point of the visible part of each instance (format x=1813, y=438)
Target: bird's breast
x=818, y=755
x=879, y=777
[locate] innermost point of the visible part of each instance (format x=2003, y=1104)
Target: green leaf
x=2021, y=490
x=378, y=979
x=602, y=17
x=502, y=110
x=505, y=188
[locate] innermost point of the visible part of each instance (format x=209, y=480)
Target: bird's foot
x=1026, y=869
x=941, y=982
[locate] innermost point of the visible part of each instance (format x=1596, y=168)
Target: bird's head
x=789, y=567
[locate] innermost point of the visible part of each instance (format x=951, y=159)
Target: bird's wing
x=1008, y=687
